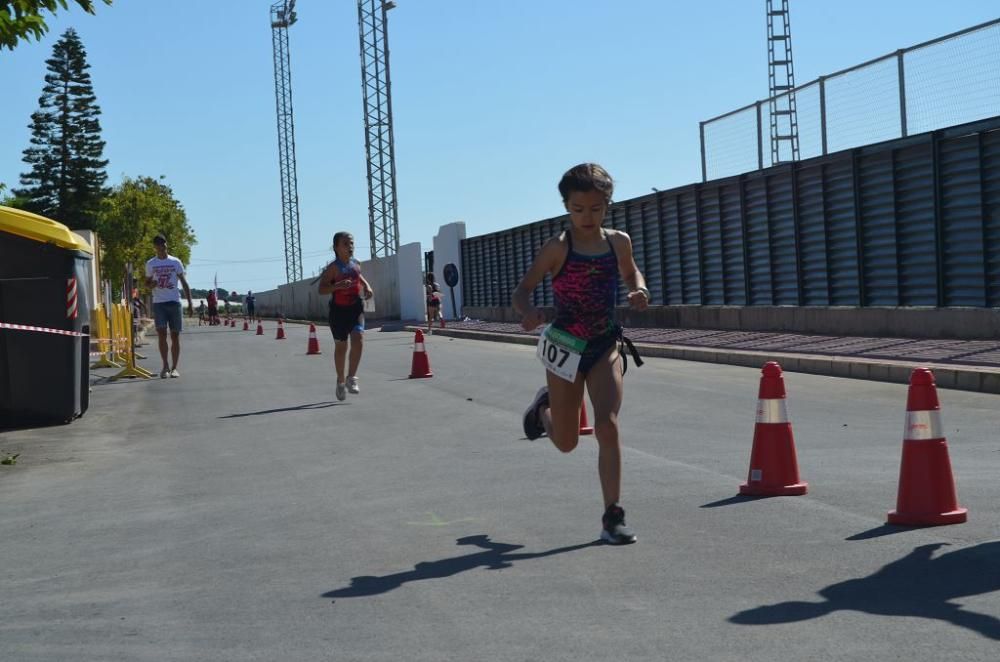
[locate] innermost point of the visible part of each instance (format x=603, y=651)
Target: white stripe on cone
x=923, y=425
x=418, y=347
x=772, y=411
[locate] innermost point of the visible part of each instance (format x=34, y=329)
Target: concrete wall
x=448, y=249
x=963, y=323
x=412, y=302
x=302, y=300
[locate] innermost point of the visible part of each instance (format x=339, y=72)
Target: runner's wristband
x=644, y=291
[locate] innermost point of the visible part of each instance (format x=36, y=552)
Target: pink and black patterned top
x=586, y=291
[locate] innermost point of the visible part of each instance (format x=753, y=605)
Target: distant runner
x=343, y=280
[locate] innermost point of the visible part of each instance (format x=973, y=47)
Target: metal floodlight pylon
x=383, y=218
x=283, y=16
x=781, y=80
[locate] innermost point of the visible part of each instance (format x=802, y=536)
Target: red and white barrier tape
x=42, y=329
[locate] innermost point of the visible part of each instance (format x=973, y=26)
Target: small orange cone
x=584, y=425
x=421, y=366
x=926, y=495
x=260, y=328
x=246, y=325
x=281, y=331
x=774, y=470
x=313, y=347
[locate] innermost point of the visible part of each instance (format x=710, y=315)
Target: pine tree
x=67, y=177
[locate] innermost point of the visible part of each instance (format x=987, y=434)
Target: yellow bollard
x=103, y=334
x=130, y=370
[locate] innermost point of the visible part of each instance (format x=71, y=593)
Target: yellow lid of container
x=41, y=229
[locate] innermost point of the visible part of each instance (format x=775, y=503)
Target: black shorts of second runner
x=595, y=349
x=250, y=310
x=348, y=319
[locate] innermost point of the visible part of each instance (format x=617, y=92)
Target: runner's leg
x=339, y=356
x=562, y=417
x=604, y=384
x=357, y=345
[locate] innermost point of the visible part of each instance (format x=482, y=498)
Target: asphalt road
x=242, y=513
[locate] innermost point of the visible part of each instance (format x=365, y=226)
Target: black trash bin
x=43, y=374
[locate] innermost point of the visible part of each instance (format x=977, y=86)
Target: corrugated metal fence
x=909, y=222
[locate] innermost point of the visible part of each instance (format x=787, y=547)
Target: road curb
x=963, y=378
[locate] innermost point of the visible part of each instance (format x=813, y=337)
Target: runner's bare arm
x=326, y=280
x=638, y=295
x=368, y=291
x=545, y=262
x=187, y=291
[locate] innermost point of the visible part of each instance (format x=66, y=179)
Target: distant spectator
x=163, y=273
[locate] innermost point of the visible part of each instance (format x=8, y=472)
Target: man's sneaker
x=341, y=391
x=164, y=373
x=533, y=428
x=174, y=373
x=614, y=531
x=352, y=385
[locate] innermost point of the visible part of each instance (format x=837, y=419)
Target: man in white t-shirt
x=163, y=272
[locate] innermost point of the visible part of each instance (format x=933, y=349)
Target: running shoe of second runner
x=614, y=531
x=341, y=391
x=533, y=428
x=352, y=385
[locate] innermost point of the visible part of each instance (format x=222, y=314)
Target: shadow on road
x=314, y=405
x=914, y=586
x=496, y=555
x=729, y=501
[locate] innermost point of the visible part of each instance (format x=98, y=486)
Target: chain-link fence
x=943, y=82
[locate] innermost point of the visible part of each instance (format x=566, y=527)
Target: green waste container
x=43, y=375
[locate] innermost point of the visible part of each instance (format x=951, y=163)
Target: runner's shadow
x=314, y=405
x=496, y=556
x=913, y=586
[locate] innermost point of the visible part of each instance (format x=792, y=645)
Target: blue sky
x=492, y=101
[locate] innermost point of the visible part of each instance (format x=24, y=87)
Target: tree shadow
x=314, y=405
x=914, y=586
x=496, y=556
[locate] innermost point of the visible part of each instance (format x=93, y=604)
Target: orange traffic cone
x=281, y=331
x=584, y=425
x=421, y=366
x=774, y=471
x=260, y=328
x=926, y=495
x=246, y=325
x=313, y=347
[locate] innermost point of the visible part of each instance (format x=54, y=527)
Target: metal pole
x=760, y=140
x=704, y=170
x=822, y=111
x=902, y=93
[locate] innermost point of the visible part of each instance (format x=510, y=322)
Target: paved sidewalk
x=970, y=365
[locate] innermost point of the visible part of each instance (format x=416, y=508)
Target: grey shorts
x=168, y=314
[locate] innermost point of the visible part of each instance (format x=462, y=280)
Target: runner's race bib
x=560, y=352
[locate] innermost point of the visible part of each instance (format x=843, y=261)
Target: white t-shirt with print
x=166, y=273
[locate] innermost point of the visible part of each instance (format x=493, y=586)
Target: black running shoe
x=614, y=531
x=533, y=428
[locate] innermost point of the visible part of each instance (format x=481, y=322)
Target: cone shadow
x=879, y=532
x=917, y=585
x=733, y=500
